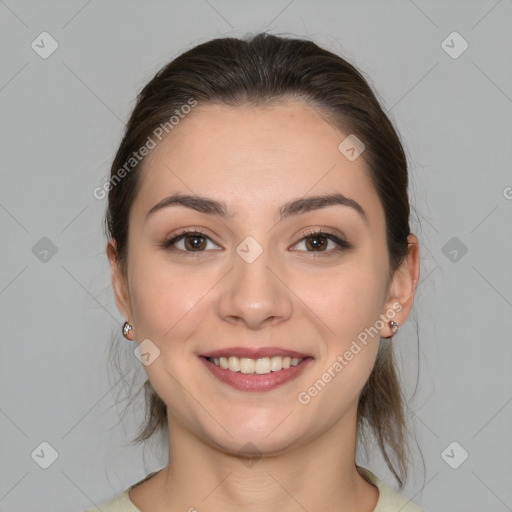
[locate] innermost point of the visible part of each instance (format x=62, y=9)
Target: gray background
x=61, y=121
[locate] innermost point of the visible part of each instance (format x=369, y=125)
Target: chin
x=246, y=442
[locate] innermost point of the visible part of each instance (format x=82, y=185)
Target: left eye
x=319, y=242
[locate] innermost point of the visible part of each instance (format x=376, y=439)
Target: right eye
x=190, y=241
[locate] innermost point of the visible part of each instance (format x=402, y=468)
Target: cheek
x=168, y=306
x=349, y=306
x=166, y=300
x=346, y=304
x=347, y=299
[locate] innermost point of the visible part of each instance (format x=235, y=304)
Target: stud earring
x=394, y=327
x=126, y=329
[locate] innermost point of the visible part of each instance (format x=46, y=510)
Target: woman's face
x=252, y=279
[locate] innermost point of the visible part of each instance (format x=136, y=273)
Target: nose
x=254, y=293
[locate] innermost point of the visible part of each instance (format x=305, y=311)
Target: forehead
x=254, y=155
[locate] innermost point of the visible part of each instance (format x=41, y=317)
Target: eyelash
x=342, y=245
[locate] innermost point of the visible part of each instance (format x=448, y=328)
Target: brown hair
x=262, y=69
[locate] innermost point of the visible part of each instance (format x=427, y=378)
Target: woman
x=260, y=249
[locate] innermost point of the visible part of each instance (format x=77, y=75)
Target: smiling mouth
x=256, y=374
x=259, y=366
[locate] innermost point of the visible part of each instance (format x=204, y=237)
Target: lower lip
x=254, y=381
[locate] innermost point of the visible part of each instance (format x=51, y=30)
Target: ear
x=403, y=285
x=119, y=283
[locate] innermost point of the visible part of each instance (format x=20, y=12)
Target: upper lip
x=255, y=353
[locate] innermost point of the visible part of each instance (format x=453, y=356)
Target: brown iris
x=191, y=242
x=319, y=242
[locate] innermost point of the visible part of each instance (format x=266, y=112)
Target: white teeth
x=276, y=363
x=233, y=364
x=259, y=366
x=247, y=365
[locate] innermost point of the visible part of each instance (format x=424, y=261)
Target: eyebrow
x=295, y=207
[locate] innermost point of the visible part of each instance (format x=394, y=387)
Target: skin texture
x=293, y=296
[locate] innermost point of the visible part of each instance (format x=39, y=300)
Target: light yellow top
x=389, y=500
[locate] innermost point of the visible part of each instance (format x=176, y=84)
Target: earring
x=126, y=329
x=394, y=327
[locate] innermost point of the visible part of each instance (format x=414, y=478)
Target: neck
x=319, y=474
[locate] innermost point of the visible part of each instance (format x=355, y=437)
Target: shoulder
x=389, y=500
x=121, y=502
